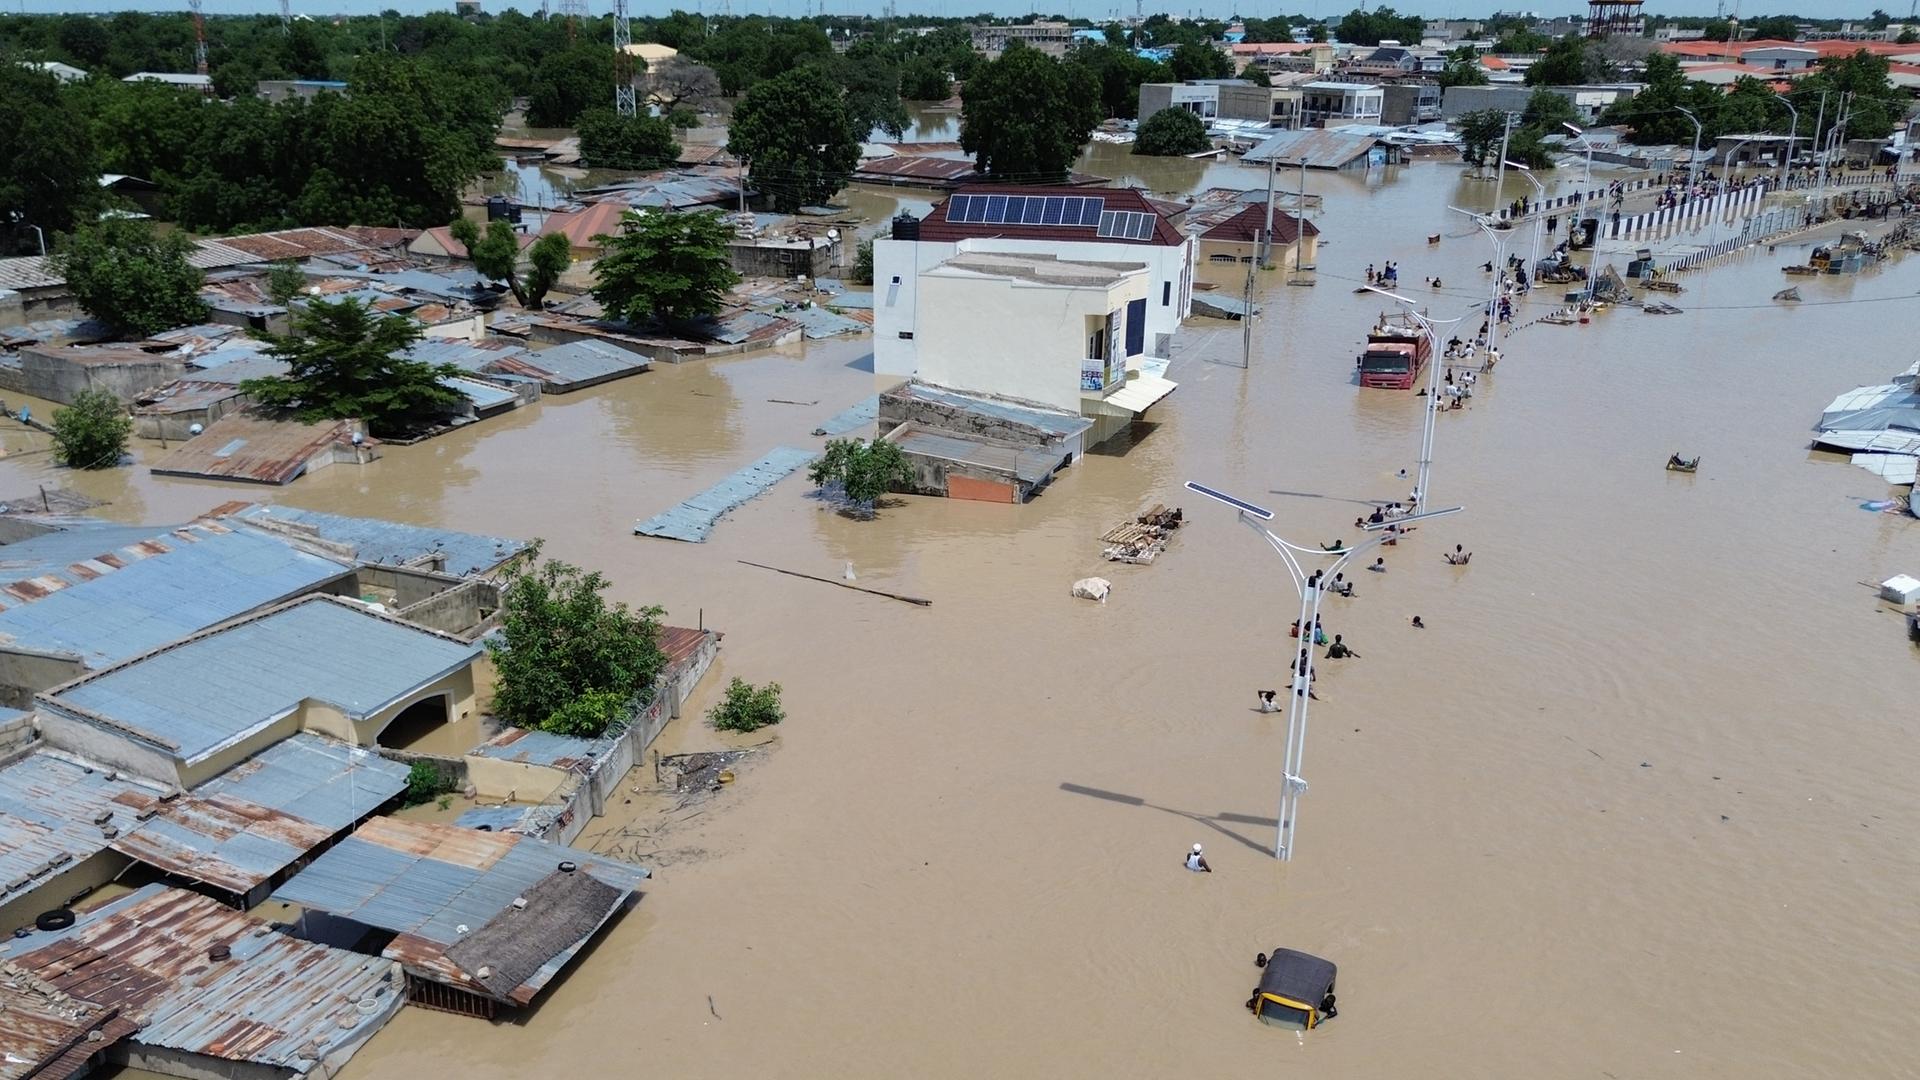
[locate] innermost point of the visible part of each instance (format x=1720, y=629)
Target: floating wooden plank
x=914, y=600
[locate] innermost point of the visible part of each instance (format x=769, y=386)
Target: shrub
x=590, y=714
x=747, y=707
x=424, y=783
x=92, y=432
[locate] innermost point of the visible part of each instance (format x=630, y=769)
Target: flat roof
x=1029, y=465
x=448, y=895
x=213, y=690
x=1037, y=269
x=380, y=542
x=1051, y=421
x=139, y=596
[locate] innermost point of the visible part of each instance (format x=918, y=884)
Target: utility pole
x=1246, y=319
x=199, y=38
x=1500, y=179
x=624, y=101
x=1273, y=170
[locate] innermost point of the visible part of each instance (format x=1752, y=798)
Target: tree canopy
x=1170, y=132
x=347, y=361
x=1026, y=116
x=570, y=81
x=48, y=164
x=638, y=143
x=1193, y=60
x=1463, y=69
x=1568, y=62
x=863, y=471
x=92, y=432
x=496, y=255
x=798, y=140
x=132, y=278
x=1358, y=27
x=1118, y=73
x=664, y=267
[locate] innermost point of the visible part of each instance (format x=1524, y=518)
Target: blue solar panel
x=1142, y=226
x=957, y=207
x=976, y=209
x=1034, y=208
x=1037, y=210
x=996, y=208
x=1015, y=204
x=1051, y=215
x=1090, y=211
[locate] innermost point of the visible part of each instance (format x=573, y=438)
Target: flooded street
x=1637, y=803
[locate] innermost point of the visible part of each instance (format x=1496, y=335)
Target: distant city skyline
x=1091, y=9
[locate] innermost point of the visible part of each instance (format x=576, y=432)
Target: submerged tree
x=1171, y=132
x=496, y=255
x=565, y=659
x=346, y=361
x=92, y=432
x=132, y=278
x=665, y=267
x=1026, y=116
x=863, y=471
x=798, y=137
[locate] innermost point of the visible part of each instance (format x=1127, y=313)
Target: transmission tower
x=199, y=38
x=574, y=10
x=286, y=16
x=623, y=96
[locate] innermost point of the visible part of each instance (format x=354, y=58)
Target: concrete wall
x=1279, y=106
x=178, y=426
x=16, y=735
x=516, y=781
x=1282, y=254
x=897, y=308
x=896, y=410
x=67, y=731
x=48, y=375
x=192, y=774
x=782, y=259
x=79, y=878
x=1034, y=344
x=467, y=610
x=452, y=771
x=24, y=673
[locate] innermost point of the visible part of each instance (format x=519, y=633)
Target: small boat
x=1676, y=463
x=1558, y=318
x=1665, y=286
x=1802, y=270
x=1658, y=308
x=1433, y=238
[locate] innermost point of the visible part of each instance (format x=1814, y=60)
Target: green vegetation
x=1256, y=75
x=864, y=471
x=285, y=281
x=611, y=141
x=346, y=361
x=570, y=81
x=496, y=255
x=923, y=79
x=1463, y=69
x=747, y=707
x=1025, y=116
x=565, y=660
x=92, y=432
x=47, y=159
x=1568, y=62
x=135, y=280
x=1360, y=27
x=424, y=785
x=863, y=263
x=1193, y=60
x=1118, y=73
x=664, y=267
x=1749, y=107
x=798, y=138
x=1171, y=132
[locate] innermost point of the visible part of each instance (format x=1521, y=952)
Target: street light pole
x=1539, y=221
x=1793, y=132
x=1423, y=482
x=1693, y=160
x=1499, y=273
x=1293, y=784
x=1586, y=175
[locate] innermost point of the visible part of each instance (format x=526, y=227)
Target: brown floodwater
x=1637, y=803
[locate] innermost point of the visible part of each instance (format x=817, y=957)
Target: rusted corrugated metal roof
x=55, y=811
x=243, y=446
x=47, y=1034
x=271, y=999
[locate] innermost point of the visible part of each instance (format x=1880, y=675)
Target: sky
x=1092, y=9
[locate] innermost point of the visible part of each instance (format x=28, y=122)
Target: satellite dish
x=195, y=429
x=833, y=234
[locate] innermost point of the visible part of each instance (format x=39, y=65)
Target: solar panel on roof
x=957, y=207
x=1051, y=214
x=996, y=208
x=1142, y=226
x=1090, y=211
x=1015, y=204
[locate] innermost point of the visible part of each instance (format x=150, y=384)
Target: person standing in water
x=1197, y=862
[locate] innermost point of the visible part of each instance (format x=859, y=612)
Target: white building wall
x=1031, y=348
x=898, y=264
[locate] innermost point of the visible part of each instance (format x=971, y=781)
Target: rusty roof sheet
x=47, y=1034
x=247, y=446
x=273, y=1000
x=916, y=167
x=433, y=885
x=259, y=817
x=55, y=811
x=306, y=243
x=183, y=396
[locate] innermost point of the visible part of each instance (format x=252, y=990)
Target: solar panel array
x=1025, y=209
x=1126, y=224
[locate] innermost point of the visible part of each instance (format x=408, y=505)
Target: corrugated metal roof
x=434, y=885
x=694, y=519
x=164, y=588
x=491, y=818
x=211, y=691
x=484, y=395
x=1323, y=148
x=540, y=748
x=259, y=817
x=853, y=418
x=1052, y=421
x=393, y=542
x=47, y=1034
x=1140, y=393
x=242, y=446
x=463, y=353
x=564, y=367
x=184, y=396
x=274, y=1000
x=820, y=322
x=38, y=565
x=48, y=803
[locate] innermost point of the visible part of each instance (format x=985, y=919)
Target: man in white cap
x=1198, y=862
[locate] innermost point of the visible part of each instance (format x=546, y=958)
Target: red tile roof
x=1245, y=227
x=935, y=225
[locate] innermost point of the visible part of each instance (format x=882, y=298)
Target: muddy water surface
x=1637, y=803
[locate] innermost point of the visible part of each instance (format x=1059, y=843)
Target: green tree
x=496, y=255
x=135, y=280
x=797, y=138
x=568, y=83
x=92, y=432
x=1526, y=148
x=48, y=166
x=680, y=118
x=285, y=281
x=1026, y=116
x=664, y=267
x=1463, y=69
x=347, y=361
x=1568, y=62
x=1521, y=41
x=1318, y=33
x=564, y=657
x=863, y=263
x=863, y=471
x=1908, y=36
x=1171, y=132
x=747, y=708
x=1256, y=75
x=870, y=85
x=611, y=141
x=923, y=79
x=1547, y=110
x=1195, y=60
x=424, y=783
x=1118, y=73
x=1359, y=27
x=1480, y=133
x=1772, y=28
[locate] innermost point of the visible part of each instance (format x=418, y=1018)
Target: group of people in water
x=1386, y=278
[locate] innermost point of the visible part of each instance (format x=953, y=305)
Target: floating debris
x=1093, y=588
x=1789, y=295
x=1658, y=308
x=1141, y=540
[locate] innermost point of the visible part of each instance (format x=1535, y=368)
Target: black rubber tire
x=57, y=919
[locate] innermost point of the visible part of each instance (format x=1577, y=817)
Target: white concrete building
x=1326, y=102
x=1065, y=334
x=1095, y=225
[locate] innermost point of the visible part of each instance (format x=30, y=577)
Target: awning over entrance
x=1141, y=392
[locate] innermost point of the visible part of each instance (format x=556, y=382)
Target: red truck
x=1395, y=355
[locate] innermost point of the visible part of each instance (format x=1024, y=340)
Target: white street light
x=1586, y=176
x=1693, y=160
x=1539, y=222
x=1293, y=783
x=1423, y=482
x=1499, y=264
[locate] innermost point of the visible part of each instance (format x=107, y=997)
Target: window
x=1097, y=343
x=906, y=335
x=1166, y=293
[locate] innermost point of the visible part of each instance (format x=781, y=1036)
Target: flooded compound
x=1636, y=802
